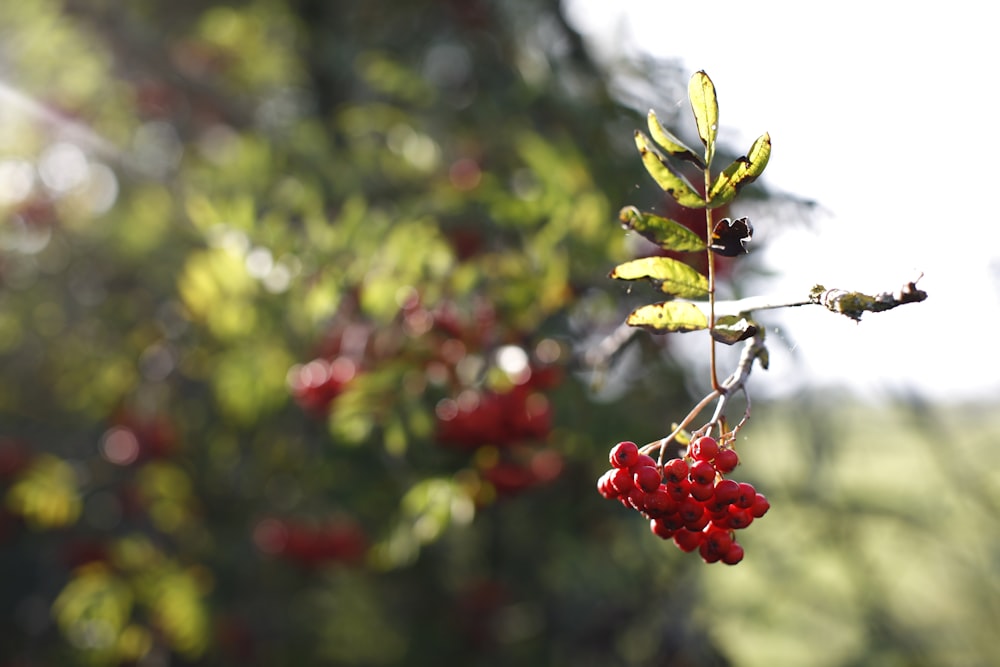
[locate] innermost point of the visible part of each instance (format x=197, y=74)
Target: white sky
x=854, y=96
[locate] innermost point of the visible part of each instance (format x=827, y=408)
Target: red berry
x=690, y=510
x=661, y=529
x=726, y=460
x=679, y=490
x=734, y=555
x=726, y=492
x=643, y=460
x=636, y=498
x=760, y=506
x=624, y=454
x=687, y=540
x=739, y=518
x=715, y=544
x=702, y=492
x=702, y=472
x=659, y=502
x=675, y=470
x=622, y=481
x=604, y=486
x=720, y=515
x=647, y=478
x=672, y=521
x=747, y=495
x=704, y=449
x=699, y=523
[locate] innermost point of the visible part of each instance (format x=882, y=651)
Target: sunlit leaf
x=731, y=329
x=435, y=503
x=179, y=609
x=166, y=491
x=671, y=144
x=93, y=608
x=705, y=105
x=743, y=171
x=668, y=316
x=667, y=234
x=46, y=494
x=670, y=275
x=672, y=183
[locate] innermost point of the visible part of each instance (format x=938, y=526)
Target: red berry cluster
x=315, y=384
x=309, y=544
x=690, y=501
x=490, y=417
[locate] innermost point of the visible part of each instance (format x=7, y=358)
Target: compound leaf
x=672, y=183
x=668, y=316
x=671, y=144
x=743, y=171
x=705, y=105
x=667, y=234
x=670, y=275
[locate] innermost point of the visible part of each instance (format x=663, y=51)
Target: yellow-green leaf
x=672, y=183
x=731, y=329
x=705, y=105
x=92, y=610
x=46, y=494
x=743, y=171
x=667, y=234
x=670, y=275
x=671, y=144
x=668, y=316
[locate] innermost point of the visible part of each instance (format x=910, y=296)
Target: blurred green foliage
x=268, y=268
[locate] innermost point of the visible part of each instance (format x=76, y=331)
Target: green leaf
x=668, y=316
x=743, y=171
x=672, y=183
x=731, y=329
x=667, y=234
x=670, y=143
x=705, y=105
x=670, y=275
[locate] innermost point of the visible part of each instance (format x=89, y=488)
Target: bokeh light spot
x=63, y=167
x=120, y=446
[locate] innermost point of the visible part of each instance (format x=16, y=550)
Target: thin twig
x=752, y=349
x=663, y=442
x=845, y=302
x=598, y=355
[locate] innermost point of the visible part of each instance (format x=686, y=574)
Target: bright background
x=882, y=115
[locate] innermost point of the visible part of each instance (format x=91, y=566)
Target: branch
x=855, y=304
x=599, y=354
x=753, y=349
x=851, y=304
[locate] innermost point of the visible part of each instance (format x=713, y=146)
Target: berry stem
x=663, y=442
